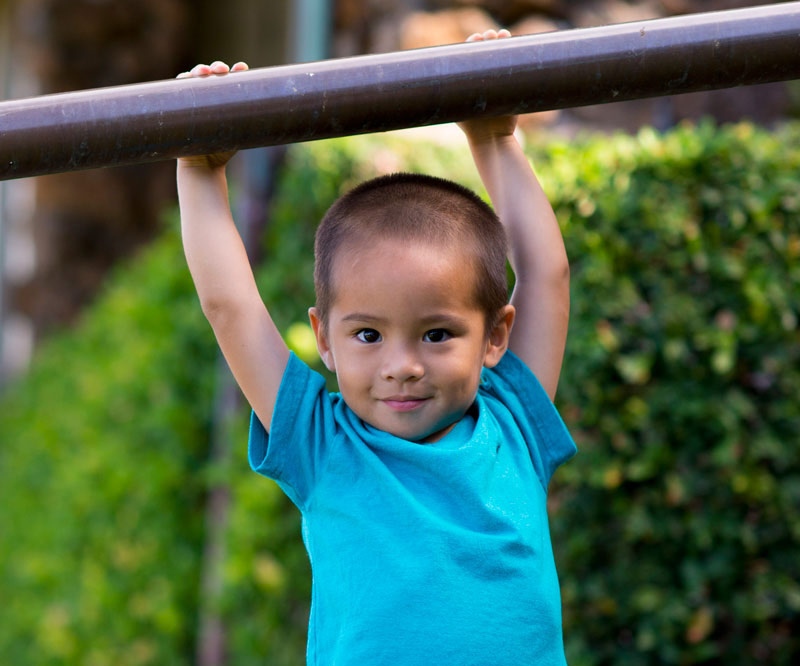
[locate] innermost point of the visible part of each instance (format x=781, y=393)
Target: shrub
x=678, y=525
x=103, y=450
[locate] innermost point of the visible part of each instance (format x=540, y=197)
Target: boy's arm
x=536, y=248
x=218, y=262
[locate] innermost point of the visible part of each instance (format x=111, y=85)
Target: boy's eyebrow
x=436, y=318
x=361, y=316
x=442, y=318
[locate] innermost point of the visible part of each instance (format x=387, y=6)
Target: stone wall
x=83, y=222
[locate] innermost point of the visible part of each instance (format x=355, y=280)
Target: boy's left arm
x=536, y=248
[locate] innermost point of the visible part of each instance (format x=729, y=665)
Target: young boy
x=422, y=484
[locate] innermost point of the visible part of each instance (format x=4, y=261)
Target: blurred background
x=130, y=531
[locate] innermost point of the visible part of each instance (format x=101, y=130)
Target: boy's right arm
x=247, y=336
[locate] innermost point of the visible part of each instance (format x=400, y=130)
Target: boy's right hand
x=217, y=258
x=215, y=160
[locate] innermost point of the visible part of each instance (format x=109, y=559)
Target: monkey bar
x=276, y=105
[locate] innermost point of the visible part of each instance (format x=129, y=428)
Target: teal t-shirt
x=433, y=553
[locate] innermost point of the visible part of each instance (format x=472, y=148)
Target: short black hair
x=415, y=207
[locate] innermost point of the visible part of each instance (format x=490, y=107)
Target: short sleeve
x=544, y=432
x=293, y=451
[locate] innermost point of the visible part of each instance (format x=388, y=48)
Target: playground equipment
x=276, y=105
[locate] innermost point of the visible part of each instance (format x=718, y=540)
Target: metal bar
x=270, y=106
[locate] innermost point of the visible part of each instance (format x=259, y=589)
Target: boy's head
x=406, y=208
x=411, y=301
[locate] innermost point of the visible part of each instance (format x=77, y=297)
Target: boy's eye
x=436, y=335
x=368, y=335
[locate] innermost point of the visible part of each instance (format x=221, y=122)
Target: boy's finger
x=475, y=37
x=240, y=67
x=219, y=67
x=200, y=70
x=504, y=33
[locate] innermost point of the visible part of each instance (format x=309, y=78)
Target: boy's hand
x=216, y=160
x=484, y=129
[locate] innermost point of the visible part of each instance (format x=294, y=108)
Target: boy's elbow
x=553, y=276
x=220, y=312
x=558, y=283
x=557, y=274
x=561, y=272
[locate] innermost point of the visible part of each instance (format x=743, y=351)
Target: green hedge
x=102, y=455
x=679, y=524
x=676, y=528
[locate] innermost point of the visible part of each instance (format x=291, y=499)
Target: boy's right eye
x=368, y=335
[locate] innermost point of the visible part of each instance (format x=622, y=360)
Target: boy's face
x=405, y=338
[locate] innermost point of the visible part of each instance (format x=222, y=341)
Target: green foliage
x=678, y=524
x=102, y=451
x=675, y=528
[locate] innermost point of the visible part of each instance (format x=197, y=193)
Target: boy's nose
x=402, y=365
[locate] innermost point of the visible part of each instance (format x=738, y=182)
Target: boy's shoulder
x=532, y=413
x=511, y=374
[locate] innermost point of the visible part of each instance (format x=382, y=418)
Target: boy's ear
x=497, y=342
x=323, y=347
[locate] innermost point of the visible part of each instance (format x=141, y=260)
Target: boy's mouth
x=403, y=403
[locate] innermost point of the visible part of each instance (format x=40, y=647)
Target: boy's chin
x=426, y=436
x=437, y=434
x=416, y=428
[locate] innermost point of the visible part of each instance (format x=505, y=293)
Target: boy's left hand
x=489, y=128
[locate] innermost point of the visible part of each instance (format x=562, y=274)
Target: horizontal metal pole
x=269, y=106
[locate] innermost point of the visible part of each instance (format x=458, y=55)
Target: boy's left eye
x=436, y=335
x=368, y=335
